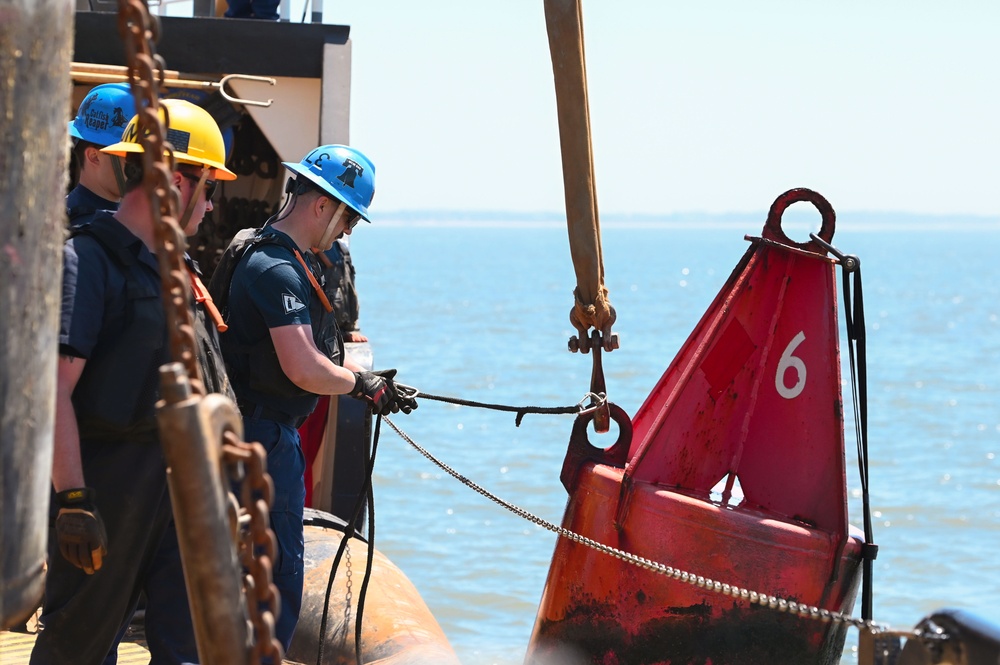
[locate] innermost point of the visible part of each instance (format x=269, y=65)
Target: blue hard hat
x=341, y=172
x=103, y=114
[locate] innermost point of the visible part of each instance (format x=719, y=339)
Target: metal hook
x=597, y=400
x=244, y=77
x=849, y=261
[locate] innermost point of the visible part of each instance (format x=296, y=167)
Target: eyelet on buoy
x=772, y=227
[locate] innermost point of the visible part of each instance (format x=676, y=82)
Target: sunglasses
x=210, y=185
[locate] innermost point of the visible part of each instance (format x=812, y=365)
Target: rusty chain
x=139, y=30
x=256, y=541
x=245, y=462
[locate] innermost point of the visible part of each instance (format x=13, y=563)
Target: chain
x=708, y=584
x=350, y=586
x=250, y=525
x=139, y=30
x=256, y=544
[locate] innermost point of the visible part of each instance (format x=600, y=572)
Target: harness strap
x=315, y=284
x=203, y=297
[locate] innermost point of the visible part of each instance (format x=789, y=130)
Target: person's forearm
x=305, y=366
x=67, y=468
x=322, y=377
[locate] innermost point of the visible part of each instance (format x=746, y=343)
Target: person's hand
x=377, y=388
x=354, y=336
x=383, y=393
x=80, y=531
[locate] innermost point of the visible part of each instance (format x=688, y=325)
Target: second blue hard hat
x=103, y=114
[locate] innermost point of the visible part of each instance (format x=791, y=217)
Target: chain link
x=708, y=584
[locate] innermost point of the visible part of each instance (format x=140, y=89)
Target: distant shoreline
x=853, y=220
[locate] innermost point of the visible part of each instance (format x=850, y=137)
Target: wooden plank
x=15, y=649
x=323, y=465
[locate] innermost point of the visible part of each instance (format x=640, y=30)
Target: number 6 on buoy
x=788, y=361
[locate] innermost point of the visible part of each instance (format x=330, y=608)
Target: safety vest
x=117, y=392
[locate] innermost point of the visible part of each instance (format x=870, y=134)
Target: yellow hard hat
x=192, y=132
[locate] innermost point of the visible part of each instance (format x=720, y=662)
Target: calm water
x=479, y=311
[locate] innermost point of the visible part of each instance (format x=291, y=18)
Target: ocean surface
x=479, y=310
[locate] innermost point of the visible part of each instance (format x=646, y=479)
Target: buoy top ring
x=772, y=227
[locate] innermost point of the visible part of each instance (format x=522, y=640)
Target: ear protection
x=296, y=186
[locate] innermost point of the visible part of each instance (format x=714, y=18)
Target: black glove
x=379, y=389
x=80, y=530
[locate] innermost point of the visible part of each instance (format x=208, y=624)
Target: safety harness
x=130, y=361
x=256, y=366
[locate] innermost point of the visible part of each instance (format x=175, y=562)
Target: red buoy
x=733, y=470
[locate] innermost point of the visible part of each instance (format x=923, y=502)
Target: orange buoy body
x=733, y=470
x=397, y=626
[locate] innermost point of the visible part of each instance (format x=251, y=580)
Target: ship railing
x=303, y=11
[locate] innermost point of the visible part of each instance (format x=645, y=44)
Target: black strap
x=521, y=411
x=352, y=527
x=854, y=313
x=855, y=316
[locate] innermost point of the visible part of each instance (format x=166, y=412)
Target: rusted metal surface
x=564, y=23
x=192, y=430
x=35, y=41
x=398, y=628
x=613, y=612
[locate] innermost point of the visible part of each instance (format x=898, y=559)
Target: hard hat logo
x=118, y=117
x=103, y=113
x=131, y=134
x=352, y=172
x=315, y=158
x=97, y=121
x=179, y=139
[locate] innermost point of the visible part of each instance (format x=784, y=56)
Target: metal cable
x=755, y=597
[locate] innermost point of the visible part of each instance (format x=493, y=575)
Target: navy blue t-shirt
x=269, y=289
x=82, y=204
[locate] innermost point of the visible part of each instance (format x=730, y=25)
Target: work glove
x=80, y=529
x=380, y=390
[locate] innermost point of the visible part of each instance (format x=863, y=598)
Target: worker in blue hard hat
x=283, y=348
x=99, y=122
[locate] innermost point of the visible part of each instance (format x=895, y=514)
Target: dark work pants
x=286, y=465
x=84, y=616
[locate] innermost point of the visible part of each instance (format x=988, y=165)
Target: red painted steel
x=750, y=406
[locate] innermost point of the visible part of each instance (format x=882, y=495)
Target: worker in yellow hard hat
x=114, y=536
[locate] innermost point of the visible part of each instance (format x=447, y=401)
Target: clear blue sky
x=695, y=106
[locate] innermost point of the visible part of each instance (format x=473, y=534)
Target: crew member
x=99, y=122
x=338, y=276
x=114, y=536
x=283, y=348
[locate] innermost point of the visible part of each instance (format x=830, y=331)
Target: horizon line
x=791, y=215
